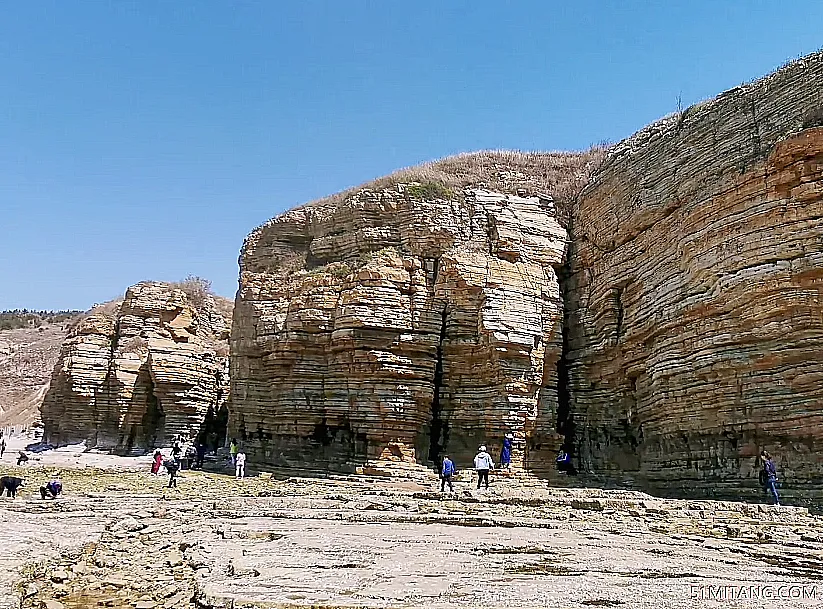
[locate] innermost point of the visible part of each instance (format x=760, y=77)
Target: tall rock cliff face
x=416, y=316
x=134, y=374
x=696, y=296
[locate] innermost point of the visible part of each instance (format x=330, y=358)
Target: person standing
x=201, y=455
x=240, y=465
x=446, y=473
x=2, y=447
x=176, y=450
x=482, y=464
x=173, y=467
x=770, y=475
x=233, y=449
x=506, y=453
x=158, y=461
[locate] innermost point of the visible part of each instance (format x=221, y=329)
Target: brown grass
x=559, y=174
x=196, y=289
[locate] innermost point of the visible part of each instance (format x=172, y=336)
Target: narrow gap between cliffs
x=439, y=429
x=154, y=418
x=565, y=422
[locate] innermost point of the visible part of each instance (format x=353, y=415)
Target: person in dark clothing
x=10, y=484
x=22, y=458
x=201, y=455
x=2, y=446
x=564, y=463
x=769, y=475
x=173, y=467
x=446, y=473
x=52, y=489
x=176, y=451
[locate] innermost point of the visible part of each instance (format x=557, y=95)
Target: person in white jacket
x=482, y=464
x=240, y=465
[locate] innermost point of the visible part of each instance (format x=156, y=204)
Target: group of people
x=50, y=490
x=483, y=464
x=194, y=457
x=238, y=459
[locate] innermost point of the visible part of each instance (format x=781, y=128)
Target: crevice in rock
x=565, y=421
x=618, y=304
x=213, y=430
x=439, y=428
x=153, y=419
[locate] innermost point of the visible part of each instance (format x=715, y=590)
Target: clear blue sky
x=144, y=140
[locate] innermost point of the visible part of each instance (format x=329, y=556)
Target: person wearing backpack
x=769, y=475
x=446, y=473
x=173, y=467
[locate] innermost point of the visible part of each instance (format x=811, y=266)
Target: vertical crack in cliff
x=618, y=303
x=153, y=420
x=438, y=429
x=565, y=422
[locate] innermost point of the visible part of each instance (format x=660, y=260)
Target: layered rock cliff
x=135, y=373
x=422, y=314
x=413, y=317
x=695, y=324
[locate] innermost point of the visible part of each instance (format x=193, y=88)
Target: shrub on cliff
x=197, y=289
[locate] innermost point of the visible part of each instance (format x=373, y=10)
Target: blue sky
x=144, y=140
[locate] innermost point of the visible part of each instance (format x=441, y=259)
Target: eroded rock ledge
x=134, y=374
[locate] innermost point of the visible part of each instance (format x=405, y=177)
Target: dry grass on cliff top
x=559, y=174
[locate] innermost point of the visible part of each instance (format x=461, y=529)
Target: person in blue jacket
x=506, y=454
x=446, y=473
x=770, y=475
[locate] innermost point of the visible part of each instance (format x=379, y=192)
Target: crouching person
x=10, y=484
x=52, y=489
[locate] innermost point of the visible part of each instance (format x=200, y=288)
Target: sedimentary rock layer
x=405, y=320
x=695, y=301
x=134, y=374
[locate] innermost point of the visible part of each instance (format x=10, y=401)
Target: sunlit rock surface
x=696, y=296
x=406, y=320
x=134, y=374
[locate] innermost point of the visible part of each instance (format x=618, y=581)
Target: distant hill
x=25, y=318
x=29, y=347
x=30, y=344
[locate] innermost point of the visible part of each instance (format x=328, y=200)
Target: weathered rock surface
x=696, y=296
x=136, y=373
x=406, y=319
x=367, y=542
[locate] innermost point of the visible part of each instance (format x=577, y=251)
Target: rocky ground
x=119, y=538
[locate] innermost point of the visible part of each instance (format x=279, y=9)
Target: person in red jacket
x=158, y=461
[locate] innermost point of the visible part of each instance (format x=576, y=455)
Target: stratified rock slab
x=696, y=297
x=403, y=321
